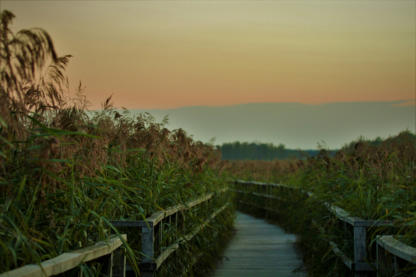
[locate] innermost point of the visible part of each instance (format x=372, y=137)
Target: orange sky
x=157, y=54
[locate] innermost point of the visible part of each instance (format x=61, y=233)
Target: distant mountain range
x=296, y=125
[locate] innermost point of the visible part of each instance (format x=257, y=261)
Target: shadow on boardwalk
x=259, y=249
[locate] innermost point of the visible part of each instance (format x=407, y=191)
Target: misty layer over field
x=295, y=125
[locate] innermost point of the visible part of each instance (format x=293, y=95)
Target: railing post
x=148, y=239
x=360, y=249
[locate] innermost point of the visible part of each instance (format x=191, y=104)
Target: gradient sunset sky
x=168, y=54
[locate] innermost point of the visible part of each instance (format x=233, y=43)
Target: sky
x=169, y=54
x=332, y=69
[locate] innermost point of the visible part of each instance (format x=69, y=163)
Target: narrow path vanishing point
x=259, y=249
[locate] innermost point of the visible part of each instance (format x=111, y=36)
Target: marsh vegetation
x=66, y=172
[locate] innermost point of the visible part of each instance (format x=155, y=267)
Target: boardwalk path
x=259, y=249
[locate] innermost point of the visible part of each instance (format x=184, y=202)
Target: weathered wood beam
x=67, y=261
x=397, y=248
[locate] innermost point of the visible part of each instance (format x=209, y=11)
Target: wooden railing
x=358, y=261
x=394, y=258
x=154, y=248
x=109, y=254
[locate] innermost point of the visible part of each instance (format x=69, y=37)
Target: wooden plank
x=343, y=215
x=153, y=219
x=360, y=248
x=101, y=248
x=180, y=207
x=193, y=203
x=397, y=248
x=345, y=259
x=340, y=213
x=259, y=249
x=67, y=261
x=148, y=239
x=199, y=201
x=165, y=254
x=156, y=217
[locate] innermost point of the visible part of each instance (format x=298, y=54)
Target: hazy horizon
x=295, y=125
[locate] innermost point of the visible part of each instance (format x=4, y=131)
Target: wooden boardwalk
x=259, y=249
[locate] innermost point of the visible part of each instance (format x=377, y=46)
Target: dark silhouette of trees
x=262, y=151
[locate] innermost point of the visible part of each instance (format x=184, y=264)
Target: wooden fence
x=107, y=253
x=359, y=261
x=155, y=246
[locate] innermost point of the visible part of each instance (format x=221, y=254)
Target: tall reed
x=65, y=172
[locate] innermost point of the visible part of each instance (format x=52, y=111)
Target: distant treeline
x=263, y=151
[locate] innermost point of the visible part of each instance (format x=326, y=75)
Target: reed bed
x=371, y=179
x=65, y=172
x=266, y=171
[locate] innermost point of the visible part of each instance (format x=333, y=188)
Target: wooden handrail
x=68, y=260
x=158, y=216
x=150, y=263
x=397, y=248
